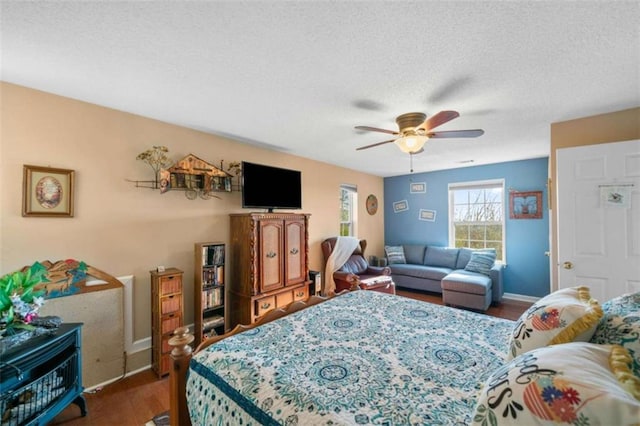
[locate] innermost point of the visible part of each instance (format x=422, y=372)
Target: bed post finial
x=180, y=357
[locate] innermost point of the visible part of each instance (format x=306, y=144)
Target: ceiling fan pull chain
x=411, y=161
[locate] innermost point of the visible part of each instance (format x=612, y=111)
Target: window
x=348, y=210
x=476, y=215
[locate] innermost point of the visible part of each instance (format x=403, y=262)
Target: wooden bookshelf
x=209, y=290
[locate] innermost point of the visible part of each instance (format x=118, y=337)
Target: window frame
x=352, y=211
x=476, y=185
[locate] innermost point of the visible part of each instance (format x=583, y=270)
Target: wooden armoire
x=269, y=263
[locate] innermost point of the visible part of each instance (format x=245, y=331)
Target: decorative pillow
x=620, y=325
x=465, y=255
x=395, y=254
x=576, y=383
x=481, y=262
x=563, y=316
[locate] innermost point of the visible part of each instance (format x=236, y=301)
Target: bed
x=366, y=357
x=362, y=357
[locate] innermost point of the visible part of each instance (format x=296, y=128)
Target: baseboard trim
x=145, y=344
x=139, y=370
x=99, y=386
x=520, y=297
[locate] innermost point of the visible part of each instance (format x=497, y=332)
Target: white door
x=598, y=207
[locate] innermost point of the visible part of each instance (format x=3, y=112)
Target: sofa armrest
x=378, y=270
x=497, y=284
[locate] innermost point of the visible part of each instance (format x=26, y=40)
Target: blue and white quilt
x=361, y=358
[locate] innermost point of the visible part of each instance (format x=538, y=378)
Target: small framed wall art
x=525, y=205
x=615, y=195
x=400, y=206
x=427, y=215
x=418, y=188
x=47, y=191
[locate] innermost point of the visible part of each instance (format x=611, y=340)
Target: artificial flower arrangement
x=19, y=300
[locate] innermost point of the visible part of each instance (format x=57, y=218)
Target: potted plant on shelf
x=19, y=303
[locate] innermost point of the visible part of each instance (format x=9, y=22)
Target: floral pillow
x=563, y=316
x=620, y=325
x=577, y=383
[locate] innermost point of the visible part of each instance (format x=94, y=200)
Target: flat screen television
x=268, y=187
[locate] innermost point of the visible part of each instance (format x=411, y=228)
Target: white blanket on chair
x=341, y=252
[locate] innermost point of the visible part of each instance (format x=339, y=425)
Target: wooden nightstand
x=166, y=315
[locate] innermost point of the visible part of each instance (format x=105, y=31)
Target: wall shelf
x=194, y=176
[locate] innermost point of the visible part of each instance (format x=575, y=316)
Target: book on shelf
x=220, y=275
x=212, y=298
x=213, y=322
x=213, y=276
x=213, y=254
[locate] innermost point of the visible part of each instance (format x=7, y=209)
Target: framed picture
x=615, y=196
x=428, y=215
x=400, y=206
x=525, y=205
x=47, y=192
x=418, y=187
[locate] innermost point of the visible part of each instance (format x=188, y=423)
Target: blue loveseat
x=442, y=270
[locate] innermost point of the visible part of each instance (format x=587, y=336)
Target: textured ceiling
x=297, y=76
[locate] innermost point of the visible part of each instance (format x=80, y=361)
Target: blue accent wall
x=526, y=240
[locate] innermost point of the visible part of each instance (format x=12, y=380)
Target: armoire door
x=271, y=236
x=295, y=251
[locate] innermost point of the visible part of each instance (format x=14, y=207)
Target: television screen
x=268, y=187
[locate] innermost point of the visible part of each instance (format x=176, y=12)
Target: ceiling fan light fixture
x=411, y=143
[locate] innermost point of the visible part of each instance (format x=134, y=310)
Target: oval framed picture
x=372, y=204
x=47, y=191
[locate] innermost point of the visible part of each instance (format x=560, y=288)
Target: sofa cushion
x=466, y=282
x=395, y=254
x=445, y=257
x=414, y=253
x=420, y=271
x=481, y=262
x=465, y=254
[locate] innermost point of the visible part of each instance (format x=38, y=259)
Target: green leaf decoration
x=21, y=283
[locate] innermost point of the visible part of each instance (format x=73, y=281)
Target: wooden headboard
x=68, y=277
x=77, y=292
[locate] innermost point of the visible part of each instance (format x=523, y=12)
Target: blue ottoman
x=467, y=289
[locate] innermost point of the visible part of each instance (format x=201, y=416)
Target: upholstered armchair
x=356, y=272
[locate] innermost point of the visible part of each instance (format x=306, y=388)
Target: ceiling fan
x=415, y=129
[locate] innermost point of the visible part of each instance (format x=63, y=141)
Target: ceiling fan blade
x=439, y=119
x=375, y=144
x=474, y=133
x=375, y=129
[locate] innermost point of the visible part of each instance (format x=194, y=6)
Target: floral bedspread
x=360, y=358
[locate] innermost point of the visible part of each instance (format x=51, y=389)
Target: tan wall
x=126, y=230
x=604, y=128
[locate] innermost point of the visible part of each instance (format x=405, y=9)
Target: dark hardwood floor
x=134, y=400
x=509, y=309
x=131, y=401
